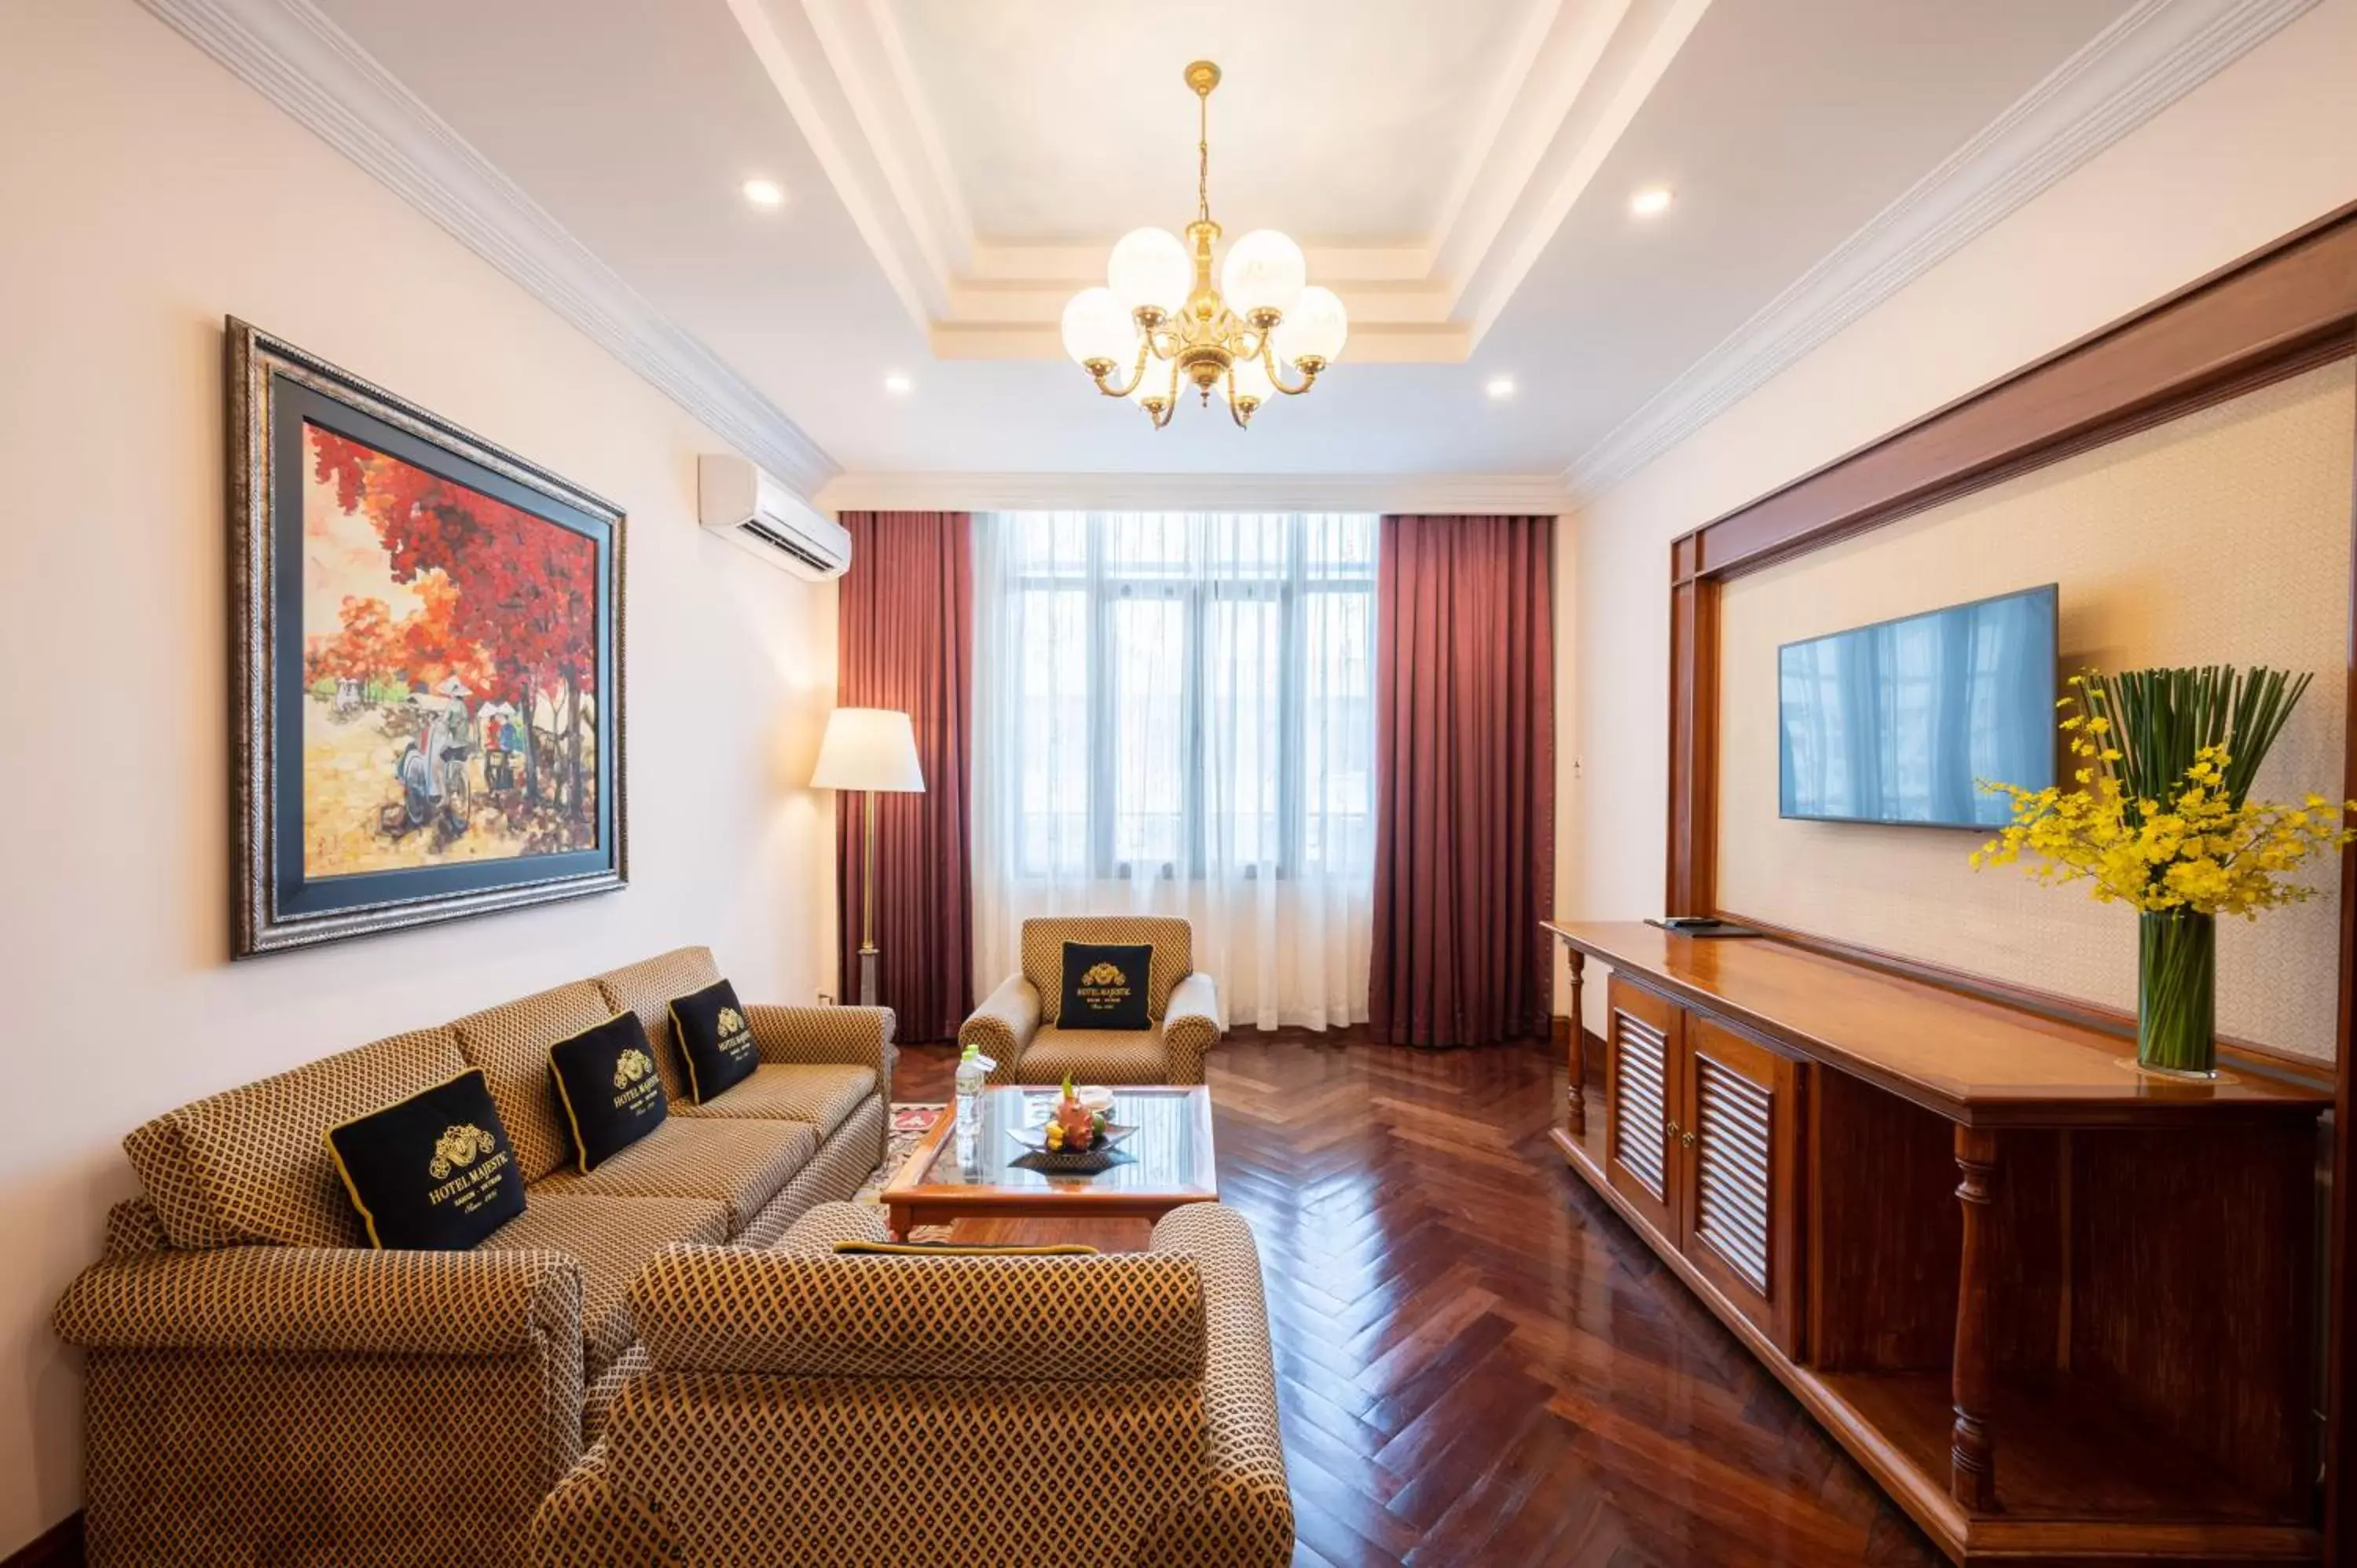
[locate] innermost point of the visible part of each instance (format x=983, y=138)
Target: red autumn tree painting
x=450, y=668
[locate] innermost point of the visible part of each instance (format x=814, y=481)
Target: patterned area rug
x=910, y=1121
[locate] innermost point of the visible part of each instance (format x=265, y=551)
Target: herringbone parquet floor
x=1477, y=1363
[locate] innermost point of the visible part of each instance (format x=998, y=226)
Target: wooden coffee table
x=949, y=1178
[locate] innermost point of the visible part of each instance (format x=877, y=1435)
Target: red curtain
x=1464, y=779
x=906, y=641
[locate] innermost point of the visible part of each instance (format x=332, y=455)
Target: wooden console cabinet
x=2061, y=1311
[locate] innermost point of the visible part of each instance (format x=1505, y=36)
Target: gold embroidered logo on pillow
x=458, y=1148
x=631, y=1066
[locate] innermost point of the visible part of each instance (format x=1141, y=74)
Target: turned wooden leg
x=1972, y=1452
x=1576, y=1106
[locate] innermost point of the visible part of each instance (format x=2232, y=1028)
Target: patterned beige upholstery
x=248, y=1165
x=822, y=1096
x=842, y=1164
x=1095, y=1056
x=611, y=1238
x=1015, y=1025
x=647, y=988
x=265, y=1389
x=286, y=1404
x=940, y=1412
x=738, y=1165
x=856, y=1036
x=511, y=1043
x=1173, y=940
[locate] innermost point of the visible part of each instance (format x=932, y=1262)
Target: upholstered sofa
x=263, y=1388
x=1019, y=1026
x=796, y=1406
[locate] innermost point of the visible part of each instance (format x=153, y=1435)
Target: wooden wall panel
x=2273, y=314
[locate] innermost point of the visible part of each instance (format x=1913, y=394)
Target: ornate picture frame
x=426, y=664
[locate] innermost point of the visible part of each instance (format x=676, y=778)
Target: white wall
x=144, y=193
x=2266, y=145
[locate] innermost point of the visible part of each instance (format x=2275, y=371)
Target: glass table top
x=1170, y=1151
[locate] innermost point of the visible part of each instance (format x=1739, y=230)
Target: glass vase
x=2177, y=993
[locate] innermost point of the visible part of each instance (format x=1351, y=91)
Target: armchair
x=797, y=1406
x=1016, y=1025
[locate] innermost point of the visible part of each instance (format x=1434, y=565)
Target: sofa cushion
x=647, y=988
x=431, y=1172
x=822, y=1096
x=1043, y=954
x=511, y=1043
x=715, y=1042
x=1094, y=1056
x=248, y=1165
x=606, y=1080
x=738, y=1165
x=612, y=1238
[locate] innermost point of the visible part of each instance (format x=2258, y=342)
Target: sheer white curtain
x=1174, y=714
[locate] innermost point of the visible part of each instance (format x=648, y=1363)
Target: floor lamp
x=868, y=749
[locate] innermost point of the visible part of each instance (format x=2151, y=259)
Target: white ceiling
x=1461, y=170
x=1338, y=120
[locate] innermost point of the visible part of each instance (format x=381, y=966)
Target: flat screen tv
x=1892, y=723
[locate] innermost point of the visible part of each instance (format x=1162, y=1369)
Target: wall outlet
x=825, y=999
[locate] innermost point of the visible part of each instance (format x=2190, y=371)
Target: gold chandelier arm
x=1236, y=411
x=1137, y=375
x=1268, y=362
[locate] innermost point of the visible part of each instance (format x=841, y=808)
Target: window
x=1182, y=695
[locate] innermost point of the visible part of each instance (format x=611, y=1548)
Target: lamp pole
x=867, y=914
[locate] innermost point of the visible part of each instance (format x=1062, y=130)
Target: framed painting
x=428, y=654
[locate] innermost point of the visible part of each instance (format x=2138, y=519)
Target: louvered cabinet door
x=1641, y=1102
x=1740, y=1141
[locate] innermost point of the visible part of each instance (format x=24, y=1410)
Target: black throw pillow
x=1104, y=985
x=432, y=1173
x=714, y=1038
x=606, y=1080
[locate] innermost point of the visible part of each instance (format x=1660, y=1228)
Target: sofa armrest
x=1003, y=1026
x=321, y=1299
x=850, y=1036
x=1190, y=1026
x=1248, y=1507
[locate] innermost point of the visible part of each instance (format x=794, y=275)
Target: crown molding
x=1573, y=82
x=2153, y=55
x=288, y=51
x=1512, y=494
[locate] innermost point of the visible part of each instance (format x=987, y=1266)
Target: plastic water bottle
x=973, y=1073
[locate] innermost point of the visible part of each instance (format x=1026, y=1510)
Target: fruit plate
x=1103, y=1156
x=1111, y=1135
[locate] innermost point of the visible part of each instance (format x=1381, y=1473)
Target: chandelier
x=1162, y=317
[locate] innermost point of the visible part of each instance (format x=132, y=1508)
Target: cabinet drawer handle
x=1670, y=1129
x=1687, y=1139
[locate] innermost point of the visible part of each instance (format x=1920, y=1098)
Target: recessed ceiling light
x=1500, y=388
x=765, y=193
x=898, y=385
x=1647, y=202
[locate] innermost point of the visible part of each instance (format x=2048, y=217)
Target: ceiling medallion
x=1163, y=317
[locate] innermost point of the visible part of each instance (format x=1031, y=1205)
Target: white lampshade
x=1253, y=381
x=1097, y=327
x=1150, y=267
x=1315, y=328
x=869, y=749
x=1265, y=271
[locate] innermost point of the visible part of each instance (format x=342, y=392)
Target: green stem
x=2176, y=991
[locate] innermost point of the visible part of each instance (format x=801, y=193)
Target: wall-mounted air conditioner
x=758, y=515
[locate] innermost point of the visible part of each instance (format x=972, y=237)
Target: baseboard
x=60, y=1546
